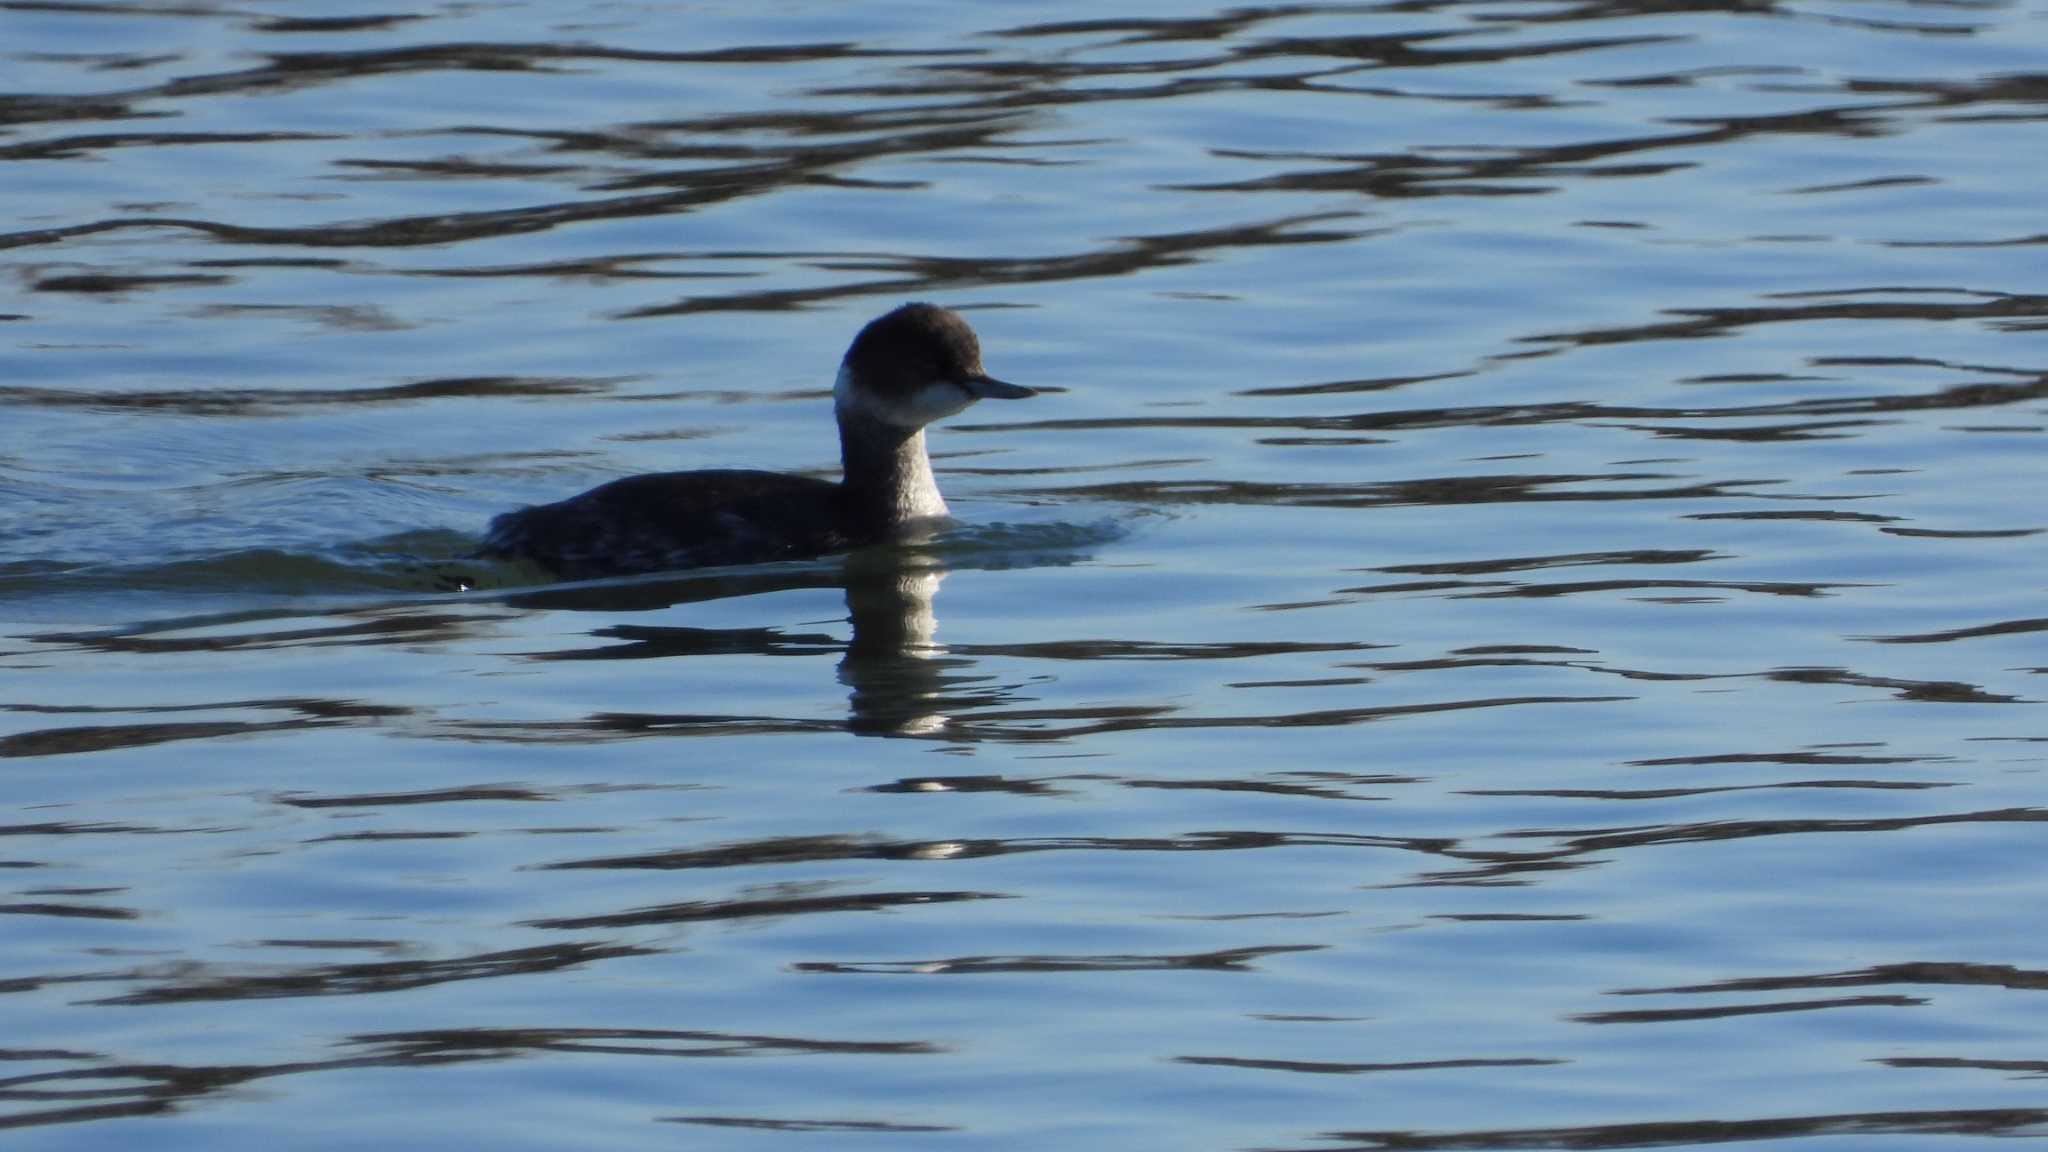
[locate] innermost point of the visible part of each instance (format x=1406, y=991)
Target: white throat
x=882, y=453
x=933, y=402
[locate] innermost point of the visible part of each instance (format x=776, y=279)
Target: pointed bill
x=990, y=388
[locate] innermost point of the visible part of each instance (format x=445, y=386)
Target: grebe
x=917, y=364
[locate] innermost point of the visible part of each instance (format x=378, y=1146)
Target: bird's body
x=666, y=520
x=912, y=366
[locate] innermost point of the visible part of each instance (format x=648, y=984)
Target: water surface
x=1516, y=622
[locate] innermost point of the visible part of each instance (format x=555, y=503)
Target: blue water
x=1514, y=622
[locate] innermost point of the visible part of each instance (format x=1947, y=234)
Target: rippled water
x=1516, y=622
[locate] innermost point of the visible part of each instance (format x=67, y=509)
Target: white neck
x=886, y=471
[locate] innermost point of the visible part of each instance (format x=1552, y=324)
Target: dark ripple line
x=1496, y=489
x=1689, y=1133
x=69, y=911
x=805, y=849
x=312, y=713
x=1221, y=960
x=1579, y=848
x=1939, y=972
x=1564, y=560
x=1153, y=30
x=1798, y=758
x=1806, y=589
x=777, y=1124
x=1678, y=793
x=1020, y=725
x=394, y=628
x=296, y=70
x=103, y=738
x=305, y=24
x=72, y=147
x=699, y=911
x=163, y=1088
x=1702, y=322
x=1340, y=1068
x=69, y=828
x=1671, y=1015
x=1930, y=691
x=455, y=795
x=373, y=977
x=257, y=401
x=1259, y=787
x=1713, y=830
x=1156, y=650
x=2032, y=1069
x=2003, y=628
x=503, y=1041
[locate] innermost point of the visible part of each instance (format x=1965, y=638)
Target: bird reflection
x=901, y=680
x=894, y=666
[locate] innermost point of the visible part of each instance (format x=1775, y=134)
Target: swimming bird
x=906, y=369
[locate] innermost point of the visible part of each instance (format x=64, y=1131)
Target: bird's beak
x=989, y=388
